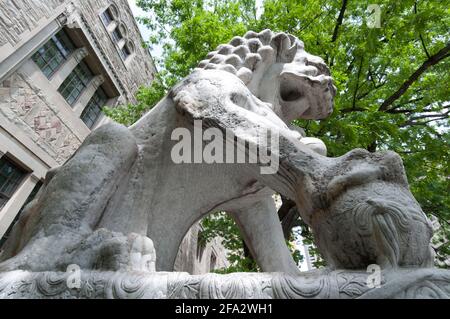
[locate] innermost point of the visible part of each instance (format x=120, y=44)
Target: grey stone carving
x=405, y=283
x=121, y=192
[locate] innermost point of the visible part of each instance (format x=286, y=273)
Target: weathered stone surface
x=21, y=16
x=401, y=284
x=123, y=185
x=68, y=232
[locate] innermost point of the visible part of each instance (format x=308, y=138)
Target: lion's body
x=123, y=187
x=157, y=198
x=149, y=195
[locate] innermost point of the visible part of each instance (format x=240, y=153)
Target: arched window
x=109, y=15
x=117, y=31
x=201, y=245
x=127, y=50
x=212, y=262
x=123, y=30
x=117, y=35
x=131, y=47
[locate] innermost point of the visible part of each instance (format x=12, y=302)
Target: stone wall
x=139, y=70
x=195, y=258
x=19, y=17
x=25, y=99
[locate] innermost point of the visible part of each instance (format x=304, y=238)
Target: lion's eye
x=322, y=68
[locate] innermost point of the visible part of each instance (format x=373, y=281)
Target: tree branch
x=425, y=110
x=393, y=109
x=361, y=96
x=420, y=35
x=350, y=66
x=355, y=109
x=304, y=27
x=434, y=59
x=423, y=46
x=357, y=83
x=424, y=116
x=339, y=21
x=436, y=117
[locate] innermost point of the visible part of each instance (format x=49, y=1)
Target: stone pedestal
x=339, y=284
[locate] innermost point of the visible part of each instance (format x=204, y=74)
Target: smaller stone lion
x=377, y=222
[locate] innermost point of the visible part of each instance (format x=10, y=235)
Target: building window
x=117, y=35
x=118, y=31
x=109, y=15
x=53, y=53
x=125, y=52
x=29, y=199
x=11, y=176
x=213, y=262
x=94, y=108
x=75, y=83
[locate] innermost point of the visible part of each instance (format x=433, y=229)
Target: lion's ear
x=284, y=48
x=265, y=36
x=356, y=176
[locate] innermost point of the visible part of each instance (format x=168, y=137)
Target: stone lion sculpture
x=122, y=184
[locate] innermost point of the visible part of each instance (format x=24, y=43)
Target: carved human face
x=303, y=88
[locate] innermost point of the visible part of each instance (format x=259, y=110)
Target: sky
x=156, y=51
x=139, y=12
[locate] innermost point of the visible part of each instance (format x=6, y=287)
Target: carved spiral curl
x=242, y=56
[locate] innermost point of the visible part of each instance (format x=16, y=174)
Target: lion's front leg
x=259, y=225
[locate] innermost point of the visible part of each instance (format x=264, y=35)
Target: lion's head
x=374, y=223
x=277, y=70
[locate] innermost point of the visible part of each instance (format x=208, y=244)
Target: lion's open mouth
x=293, y=87
x=290, y=91
x=305, y=96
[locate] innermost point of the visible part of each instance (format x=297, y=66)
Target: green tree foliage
x=392, y=81
x=146, y=97
x=240, y=259
x=220, y=224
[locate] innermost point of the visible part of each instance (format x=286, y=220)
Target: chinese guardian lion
x=121, y=193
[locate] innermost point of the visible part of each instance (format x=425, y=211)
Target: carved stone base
x=403, y=283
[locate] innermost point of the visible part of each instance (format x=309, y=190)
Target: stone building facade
x=61, y=61
x=197, y=257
